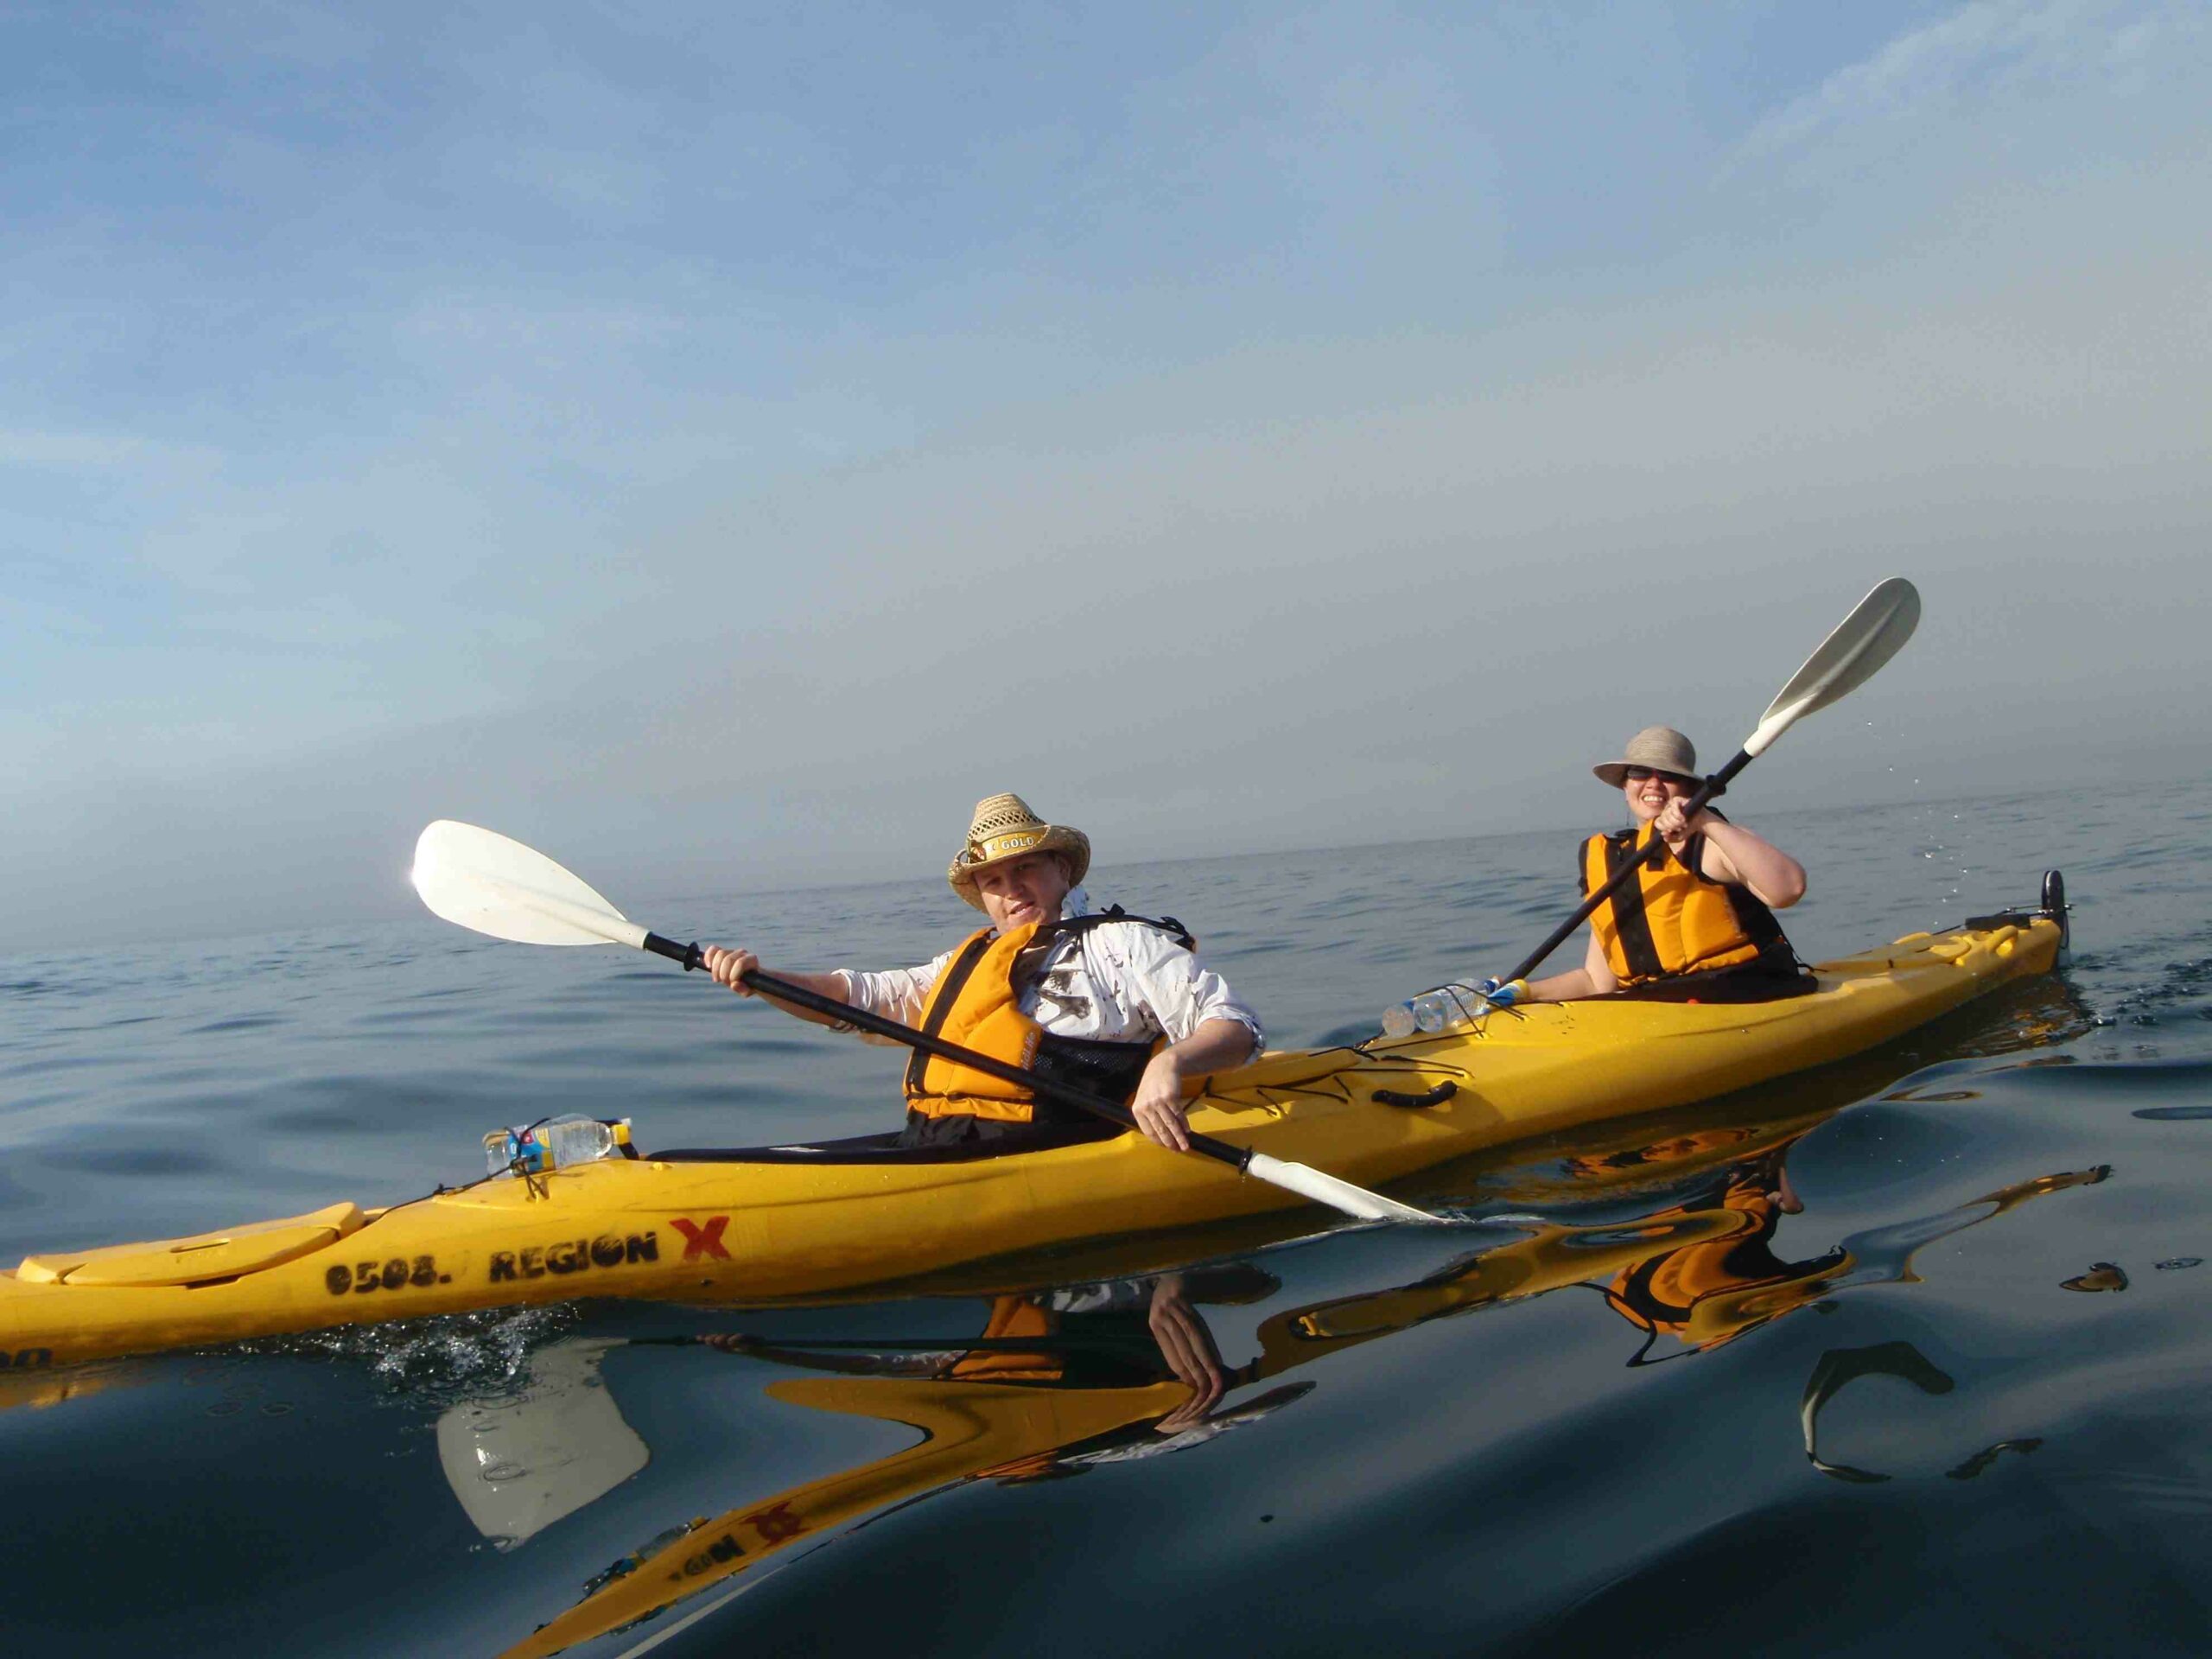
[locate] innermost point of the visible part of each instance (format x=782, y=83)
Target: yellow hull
x=741, y=1230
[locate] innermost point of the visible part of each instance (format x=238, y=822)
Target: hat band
x=991, y=848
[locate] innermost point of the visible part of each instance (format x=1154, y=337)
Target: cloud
x=661, y=444
x=1980, y=52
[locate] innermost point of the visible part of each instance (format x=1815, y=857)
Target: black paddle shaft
x=1711, y=788
x=798, y=997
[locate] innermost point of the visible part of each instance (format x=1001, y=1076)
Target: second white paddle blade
x=1339, y=1194
x=480, y=880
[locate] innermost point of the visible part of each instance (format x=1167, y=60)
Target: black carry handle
x=798, y=997
x=1711, y=788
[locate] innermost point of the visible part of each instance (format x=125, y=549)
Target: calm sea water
x=1950, y=1398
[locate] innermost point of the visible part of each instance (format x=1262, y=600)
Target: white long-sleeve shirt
x=1119, y=982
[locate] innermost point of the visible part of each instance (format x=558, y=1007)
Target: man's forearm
x=1216, y=1045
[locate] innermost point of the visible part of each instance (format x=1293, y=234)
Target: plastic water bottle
x=1438, y=1010
x=1445, y=1008
x=506, y=1151
x=558, y=1143
x=574, y=1139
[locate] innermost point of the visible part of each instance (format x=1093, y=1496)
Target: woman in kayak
x=1697, y=925
x=1114, y=1004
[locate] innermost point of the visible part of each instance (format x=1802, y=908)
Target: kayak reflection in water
x=1105, y=1002
x=1699, y=924
x=1702, y=1270
x=1711, y=1291
x=1062, y=1381
x=1066, y=1379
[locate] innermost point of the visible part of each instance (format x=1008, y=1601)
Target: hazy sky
x=719, y=443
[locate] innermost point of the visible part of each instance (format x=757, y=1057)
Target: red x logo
x=777, y=1524
x=702, y=1238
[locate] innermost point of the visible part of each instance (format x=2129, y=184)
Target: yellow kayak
x=783, y=1222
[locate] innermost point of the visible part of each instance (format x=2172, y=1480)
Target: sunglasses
x=1641, y=774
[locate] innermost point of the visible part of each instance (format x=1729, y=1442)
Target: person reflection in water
x=1666, y=1294
x=1117, y=1334
x=1730, y=1280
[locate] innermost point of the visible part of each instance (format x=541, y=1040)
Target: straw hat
x=1658, y=748
x=1005, y=827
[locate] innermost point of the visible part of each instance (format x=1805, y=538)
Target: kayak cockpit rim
x=883, y=1148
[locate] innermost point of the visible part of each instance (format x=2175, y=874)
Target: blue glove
x=1505, y=994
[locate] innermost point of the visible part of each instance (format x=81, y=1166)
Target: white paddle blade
x=480, y=879
x=1874, y=632
x=1327, y=1189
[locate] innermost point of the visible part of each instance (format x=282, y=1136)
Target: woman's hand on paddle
x=1158, y=1105
x=730, y=967
x=1673, y=829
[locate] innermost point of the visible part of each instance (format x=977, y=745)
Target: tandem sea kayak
x=781, y=1222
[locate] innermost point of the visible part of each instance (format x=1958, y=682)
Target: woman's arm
x=1735, y=854
x=1593, y=978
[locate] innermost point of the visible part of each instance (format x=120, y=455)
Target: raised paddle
x=483, y=880
x=1874, y=632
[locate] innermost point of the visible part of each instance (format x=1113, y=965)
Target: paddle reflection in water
x=1899, y=1359
x=1063, y=1379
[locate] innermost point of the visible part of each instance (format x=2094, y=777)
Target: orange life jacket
x=976, y=1003
x=1672, y=919
x=1660, y=1293
x=1013, y=1317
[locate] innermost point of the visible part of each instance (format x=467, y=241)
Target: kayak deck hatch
x=195, y=1260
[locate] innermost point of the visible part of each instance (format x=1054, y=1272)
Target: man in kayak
x=1697, y=925
x=1114, y=1004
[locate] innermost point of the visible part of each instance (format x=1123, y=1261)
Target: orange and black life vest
x=1013, y=1317
x=1673, y=918
x=976, y=1003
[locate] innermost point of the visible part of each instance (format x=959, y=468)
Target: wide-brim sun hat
x=1657, y=748
x=1002, y=828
